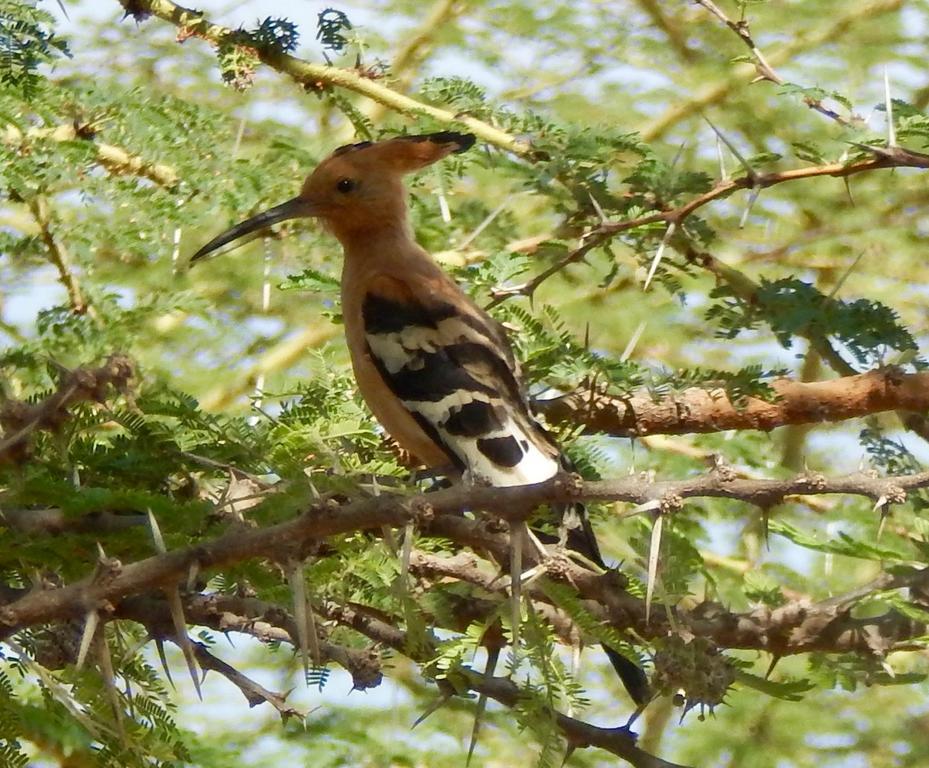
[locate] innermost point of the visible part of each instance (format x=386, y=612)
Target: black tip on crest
x=464, y=140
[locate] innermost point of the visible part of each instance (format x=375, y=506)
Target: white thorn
x=298, y=590
x=889, y=109
x=828, y=560
x=492, y=657
x=723, y=171
x=192, y=574
x=669, y=232
x=105, y=661
x=87, y=636
x=176, y=250
x=752, y=197
x=600, y=214
x=517, y=531
x=266, y=276
x=633, y=341
x=406, y=552
x=653, y=552
x=638, y=509
x=484, y=224
x=156, y=533
x=443, y=202
x=430, y=709
x=539, y=546
x=180, y=631
x=160, y=646
x=731, y=147
x=238, y=138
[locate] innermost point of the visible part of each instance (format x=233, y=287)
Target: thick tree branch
x=673, y=29
x=707, y=410
x=798, y=626
x=439, y=510
x=115, y=159
x=53, y=521
x=267, y=622
x=409, y=58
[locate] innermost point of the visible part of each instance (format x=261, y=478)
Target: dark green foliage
x=868, y=329
x=330, y=26
x=276, y=35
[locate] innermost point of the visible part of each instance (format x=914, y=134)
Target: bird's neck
x=387, y=250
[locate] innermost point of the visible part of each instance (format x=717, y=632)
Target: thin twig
x=59, y=256
x=890, y=157
x=835, y=27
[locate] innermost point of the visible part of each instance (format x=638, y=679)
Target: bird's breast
x=389, y=410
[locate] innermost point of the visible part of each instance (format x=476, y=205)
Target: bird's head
x=358, y=189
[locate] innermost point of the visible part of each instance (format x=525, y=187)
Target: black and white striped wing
x=454, y=373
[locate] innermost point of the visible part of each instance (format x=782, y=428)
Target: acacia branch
x=58, y=255
x=798, y=626
x=313, y=76
x=116, y=160
x=412, y=54
x=321, y=521
x=698, y=410
x=578, y=734
x=254, y=692
x=890, y=157
x=672, y=28
x=765, y=70
x=267, y=622
x=53, y=521
x=715, y=93
x=19, y=419
x=747, y=290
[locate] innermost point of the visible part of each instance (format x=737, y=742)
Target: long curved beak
x=292, y=209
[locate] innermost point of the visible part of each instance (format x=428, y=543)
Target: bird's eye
x=346, y=185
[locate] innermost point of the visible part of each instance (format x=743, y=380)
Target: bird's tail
x=632, y=675
x=578, y=536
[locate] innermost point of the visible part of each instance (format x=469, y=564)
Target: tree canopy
x=702, y=224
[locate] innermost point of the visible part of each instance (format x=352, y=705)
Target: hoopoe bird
x=436, y=370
